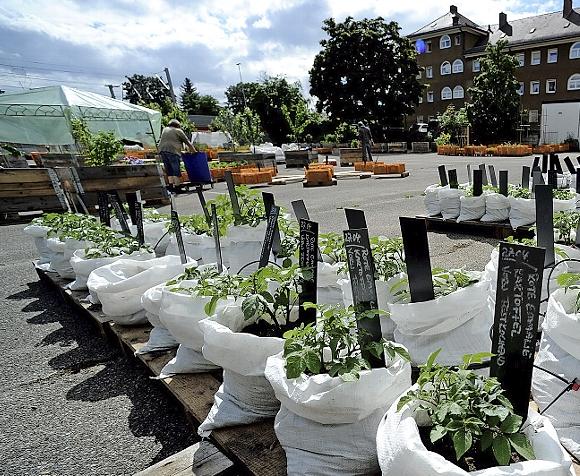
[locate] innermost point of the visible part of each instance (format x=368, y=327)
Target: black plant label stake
x=308, y=261
x=477, y=182
x=544, y=163
x=536, y=162
x=355, y=218
x=483, y=174
x=453, y=182
x=442, y=176
x=139, y=218
x=526, y=177
x=492, y=175
x=233, y=195
x=544, y=221
x=271, y=226
x=519, y=288
x=131, y=198
x=503, y=182
x=199, y=192
x=570, y=166
x=114, y=199
x=417, y=258
x=216, y=237
x=361, y=268
x=469, y=173
x=268, y=199
x=176, y=227
x=301, y=213
x=104, y=211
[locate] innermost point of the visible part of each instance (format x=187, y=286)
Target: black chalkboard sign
x=131, y=198
x=503, y=182
x=301, y=213
x=233, y=195
x=477, y=182
x=139, y=218
x=268, y=199
x=104, y=211
x=492, y=175
x=176, y=226
x=525, y=177
x=453, y=182
x=308, y=261
x=442, y=176
x=216, y=237
x=271, y=225
x=113, y=198
x=361, y=268
x=355, y=218
x=483, y=174
x=517, y=305
x=544, y=221
x=417, y=258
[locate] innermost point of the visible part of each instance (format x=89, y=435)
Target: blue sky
x=90, y=43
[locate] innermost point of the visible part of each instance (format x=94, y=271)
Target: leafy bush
x=467, y=409
x=443, y=139
x=331, y=345
x=101, y=148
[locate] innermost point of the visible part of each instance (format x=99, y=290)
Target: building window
x=553, y=55
x=428, y=47
x=429, y=96
x=521, y=57
x=446, y=94
x=534, y=87
x=457, y=40
x=521, y=89
x=533, y=116
x=445, y=68
x=429, y=71
x=419, y=119
x=475, y=66
x=575, y=51
x=445, y=42
x=574, y=82
x=551, y=86
x=458, y=92
x=536, y=57
x=458, y=66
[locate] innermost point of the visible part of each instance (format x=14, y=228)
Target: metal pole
x=110, y=86
x=173, y=98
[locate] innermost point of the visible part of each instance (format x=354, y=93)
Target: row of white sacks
x=132, y=289
x=452, y=204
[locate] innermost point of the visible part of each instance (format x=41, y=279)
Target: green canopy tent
x=43, y=116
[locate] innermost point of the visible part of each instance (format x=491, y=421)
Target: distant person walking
x=170, y=145
x=366, y=141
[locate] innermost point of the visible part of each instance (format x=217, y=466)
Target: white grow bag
x=120, y=285
x=83, y=267
x=471, y=208
x=245, y=246
x=560, y=353
x=450, y=203
x=523, y=210
x=431, y=201
x=159, y=338
x=401, y=451
x=458, y=324
x=39, y=233
x=245, y=396
x=328, y=426
x=497, y=208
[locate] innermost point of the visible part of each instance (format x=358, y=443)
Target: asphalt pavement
x=72, y=404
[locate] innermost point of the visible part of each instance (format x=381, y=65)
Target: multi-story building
x=546, y=46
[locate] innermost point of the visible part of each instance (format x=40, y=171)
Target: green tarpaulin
x=42, y=116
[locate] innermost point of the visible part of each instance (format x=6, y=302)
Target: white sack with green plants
x=39, y=234
x=431, y=201
x=457, y=423
x=497, y=208
x=559, y=353
x=458, y=320
x=159, y=338
x=331, y=400
x=450, y=202
x=523, y=208
x=119, y=286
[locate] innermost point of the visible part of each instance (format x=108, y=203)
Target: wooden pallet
x=286, y=179
x=499, y=231
x=306, y=183
x=389, y=176
x=253, y=449
x=352, y=174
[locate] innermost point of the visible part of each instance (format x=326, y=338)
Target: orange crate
x=217, y=174
x=380, y=168
x=264, y=176
x=318, y=175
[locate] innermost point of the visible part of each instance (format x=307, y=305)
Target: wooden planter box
x=149, y=179
x=318, y=175
x=349, y=155
x=252, y=177
x=381, y=168
x=300, y=158
x=364, y=166
x=260, y=160
x=420, y=147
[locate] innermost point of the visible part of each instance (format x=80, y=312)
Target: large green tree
x=267, y=98
x=244, y=127
x=365, y=70
x=494, y=108
x=140, y=89
x=194, y=103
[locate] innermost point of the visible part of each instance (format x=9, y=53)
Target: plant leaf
x=295, y=365
x=437, y=432
x=486, y=440
x=511, y=424
x=522, y=445
x=462, y=442
x=502, y=450
x=313, y=363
